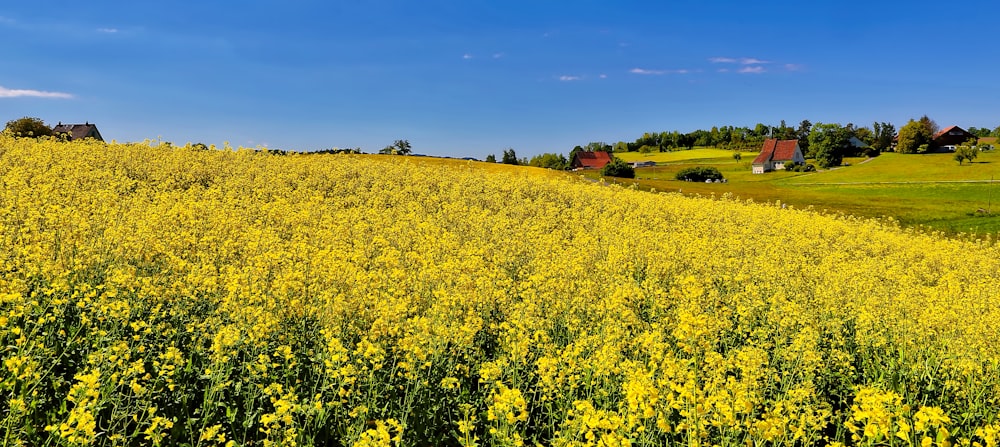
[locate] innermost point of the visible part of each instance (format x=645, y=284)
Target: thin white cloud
x=466, y=56
x=752, y=69
x=794, y=67
x=643, y=71
x=498, y=55
x=569, y=78
x=22, y=93
x=7, y=20
x=742, y=60
x=107, y=30
x=723, y=70
x=603, y=76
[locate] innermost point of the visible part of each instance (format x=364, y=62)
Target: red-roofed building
x=775, y=154
x=953, y=136
x=590, y=160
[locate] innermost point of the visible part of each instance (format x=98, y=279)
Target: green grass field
x=930, y=191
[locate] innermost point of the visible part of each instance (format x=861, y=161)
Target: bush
x=618, y=168
x=698, y=174
x=799, y=167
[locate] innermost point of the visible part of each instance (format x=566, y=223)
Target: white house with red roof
x=775, y=154
x=590, y=160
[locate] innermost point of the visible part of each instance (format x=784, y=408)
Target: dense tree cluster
x=915, y=136
x=549, y=160
x=28, y=127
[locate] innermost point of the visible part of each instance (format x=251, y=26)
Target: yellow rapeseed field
x=175, y=296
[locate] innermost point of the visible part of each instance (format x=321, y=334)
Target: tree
x=828, y=143
x=966, y=151
x=737, y=156
x=551, y=161
x=618, y=168
x=884, y=132
x=597, y=146
x=28, y=127
x=509, y=157
x=865, y=135
x=929, y=124
x=913, y=136
x=398, y=147
x=402, y=147
x=491, y=158
x=803, y=135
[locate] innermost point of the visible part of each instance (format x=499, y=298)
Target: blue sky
x=470, y=78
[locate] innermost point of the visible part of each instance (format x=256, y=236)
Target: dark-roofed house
x=590, y=160
x=953, y=136
x=775, y=154
x=77, y=131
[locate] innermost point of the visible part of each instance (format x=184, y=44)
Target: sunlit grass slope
x=699, y=154
x=181, y=297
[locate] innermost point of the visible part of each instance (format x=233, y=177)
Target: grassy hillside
x=697, y=154
x=177, y=296
x=930, y=190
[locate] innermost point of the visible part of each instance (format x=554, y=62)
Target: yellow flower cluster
x=181, y=296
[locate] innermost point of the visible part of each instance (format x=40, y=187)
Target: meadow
x=177, y=296
x=929, y=191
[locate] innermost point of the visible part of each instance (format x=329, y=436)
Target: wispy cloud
x=722, y=60
x=643, y=71
x=107, y=30
x=498, y=55
x=466, y=56
x=742, y=60
x=21, y=93
x=794, y=67
x=7, y=20
x=752, y=69
x=602, y=76
x=569, y=78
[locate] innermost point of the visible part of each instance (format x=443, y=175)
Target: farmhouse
x=948, y=138
x=590, y=160
x=775, y=154
x=77, y=131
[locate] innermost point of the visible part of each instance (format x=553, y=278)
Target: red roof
x=946, y=131
x=591, y=160
x=777, y=150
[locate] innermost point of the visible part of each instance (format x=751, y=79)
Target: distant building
x=590, y=160
x=948, y=138
x=642, y=164
x=77, y=131
x=858, y=144
x=775, y=154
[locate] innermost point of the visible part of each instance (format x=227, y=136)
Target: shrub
x=618, y=168
x=698, y=174
x=799, y=167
